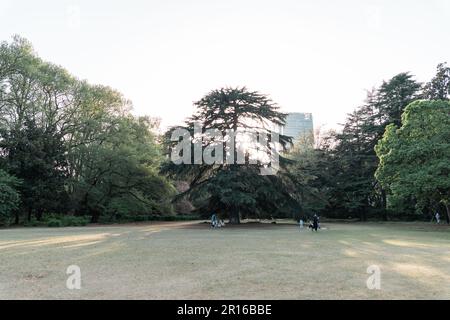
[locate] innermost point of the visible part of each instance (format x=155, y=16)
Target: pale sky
x=313, y=56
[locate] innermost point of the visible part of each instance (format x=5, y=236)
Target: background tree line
x=340, y=174
x=71, y=148
x=74, y=150
x=346, y=166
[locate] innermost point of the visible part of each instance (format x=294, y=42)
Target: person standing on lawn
x=315, y=222
x=438, y=218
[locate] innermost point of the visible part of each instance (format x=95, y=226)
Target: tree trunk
x=16, y=220
x=30, y=211
x=384, y=205
x=95, y=216
x=235, y=217
x=362, y=215
x=447, y=207
x=39, y=214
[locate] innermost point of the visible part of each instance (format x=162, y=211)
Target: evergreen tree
x=439, y=87
x=230, y=188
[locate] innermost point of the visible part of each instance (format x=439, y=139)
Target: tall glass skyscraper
x=298, y=125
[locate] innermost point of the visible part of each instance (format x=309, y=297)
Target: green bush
x=141, y=218
x=57, y=220
x=72, y=221
x=66, y=221
x=9, y=197
x=173, y=218
x=54, y=223
x=34, y=223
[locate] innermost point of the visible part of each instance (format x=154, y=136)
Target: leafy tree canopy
x=414, y=159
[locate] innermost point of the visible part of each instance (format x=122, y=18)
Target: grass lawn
x=188, y=260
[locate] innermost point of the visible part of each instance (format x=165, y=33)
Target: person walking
x=214, y=221
x=438, y=218
x=315, y=222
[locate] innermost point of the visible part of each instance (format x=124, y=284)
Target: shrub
x=174, y=218
x=72, y=221
x=34, y=223
x=9, y=197
x=66, y=221
x=54, y=223
x=141, y=218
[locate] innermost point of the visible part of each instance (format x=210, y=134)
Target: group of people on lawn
x=314, y=223
x=216, y=222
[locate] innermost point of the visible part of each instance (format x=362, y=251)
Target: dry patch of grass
x=190, y=261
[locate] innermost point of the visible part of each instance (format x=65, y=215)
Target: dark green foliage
x=241, y=191
x=439, y=87
x=9, y=197
x=234, y=190
x=54, y=223
x=36, y=156
x=57, y=221
x=121, y=173
x=75, y=146
x=394, y=96
x=143, y=218
x=347, y=178
x=415, y=158
x=345, y=172
x=71, y=147
x=310, y=177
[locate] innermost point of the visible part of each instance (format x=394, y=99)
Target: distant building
x=298, y=125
